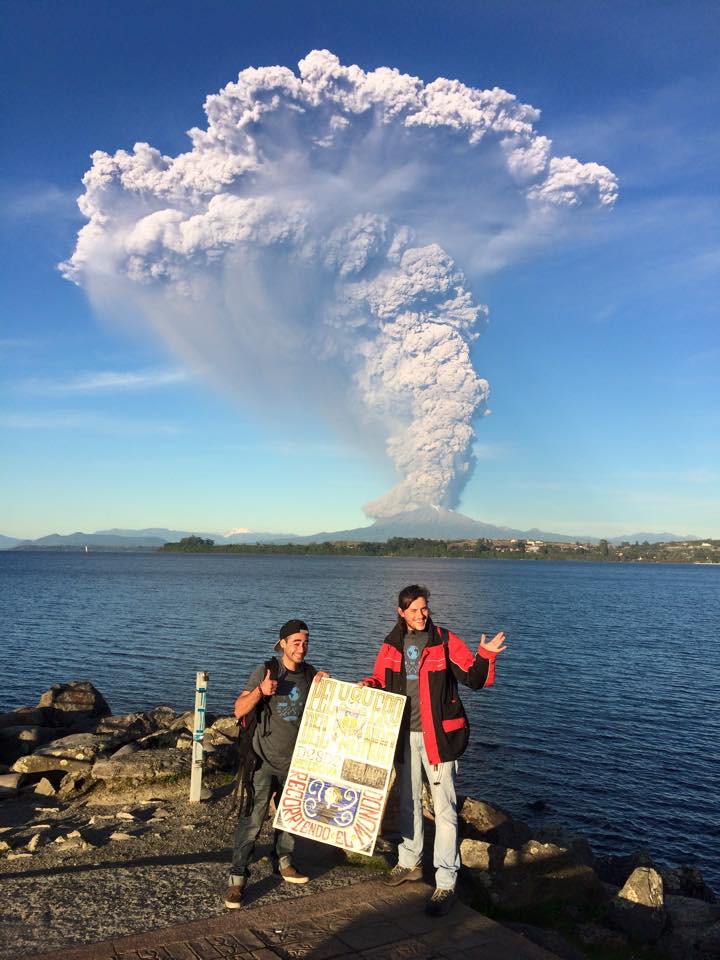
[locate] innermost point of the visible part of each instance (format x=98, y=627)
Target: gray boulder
x=183, y=740
x=74, y=700
x=186, y=721
x=125, y=750
x=535, y=874
x=74, y=785
x=158, y=740
x=44, y=788
x=162, y=717
x=638, y=909
x=692, y=924
x=481, y=821
x=687, y=881
x=180, y=739
x=228, y=726
x=144, y=765
x=46, y=764
x=688, y=912
x=562, y=837
x=78, y=746
x=9, y=784
x=130, y=726
x=539, y=856
x=518, y=888
x=215, y=741
x=480, y=855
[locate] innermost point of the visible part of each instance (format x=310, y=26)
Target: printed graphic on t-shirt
x=289, y=706
x=412, y=661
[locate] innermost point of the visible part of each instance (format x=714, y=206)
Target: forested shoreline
x=707, y=551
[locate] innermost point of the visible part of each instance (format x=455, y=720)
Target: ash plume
x=303, y=251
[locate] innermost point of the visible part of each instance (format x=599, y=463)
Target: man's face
x=295, y=648
x=416, y=615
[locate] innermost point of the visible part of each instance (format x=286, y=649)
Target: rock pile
x=70, y=741
x=609, y=903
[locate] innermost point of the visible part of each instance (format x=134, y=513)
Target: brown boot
x=234, y=896
x=292, y=875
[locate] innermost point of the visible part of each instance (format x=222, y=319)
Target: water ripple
x=606, y=705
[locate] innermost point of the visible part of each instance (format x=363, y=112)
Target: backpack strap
x=273, y=668
x=445, y=637
x=243, y=797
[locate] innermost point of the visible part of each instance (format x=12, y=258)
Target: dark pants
x=266, y=781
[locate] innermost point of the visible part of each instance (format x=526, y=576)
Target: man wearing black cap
x=283, y=701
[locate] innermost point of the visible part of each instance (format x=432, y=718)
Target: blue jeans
x=446, y=857
x=266, y=780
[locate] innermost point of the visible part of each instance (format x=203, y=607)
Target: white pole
x=201, y=681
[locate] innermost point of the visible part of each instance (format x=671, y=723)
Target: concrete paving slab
x=368, y=921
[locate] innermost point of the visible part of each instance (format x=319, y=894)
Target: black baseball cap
x=288, y=629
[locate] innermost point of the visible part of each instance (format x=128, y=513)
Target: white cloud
x=24, y=201
x=490, y=451
x=304, y=251
x=105, y=381
x=73, y=420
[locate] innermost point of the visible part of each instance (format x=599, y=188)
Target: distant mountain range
x=438, y=523
x=431, y=523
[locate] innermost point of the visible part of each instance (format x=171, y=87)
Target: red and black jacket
x=444, y=662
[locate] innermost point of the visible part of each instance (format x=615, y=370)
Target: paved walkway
x=367, y=921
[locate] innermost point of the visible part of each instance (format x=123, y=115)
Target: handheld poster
x=339, y=775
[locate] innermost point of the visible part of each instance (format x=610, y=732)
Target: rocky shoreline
x=98, y=839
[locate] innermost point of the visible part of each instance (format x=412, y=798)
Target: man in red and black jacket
x=425, y=663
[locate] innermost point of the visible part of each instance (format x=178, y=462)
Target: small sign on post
x=201, y=682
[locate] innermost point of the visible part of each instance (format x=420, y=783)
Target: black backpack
x=244, y=795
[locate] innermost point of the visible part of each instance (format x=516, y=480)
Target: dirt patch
x=125, y=860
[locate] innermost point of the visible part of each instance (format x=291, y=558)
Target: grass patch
x=370, y=863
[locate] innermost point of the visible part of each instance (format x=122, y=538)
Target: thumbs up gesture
x=268, y=686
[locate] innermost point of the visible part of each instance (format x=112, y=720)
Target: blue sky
x=602, y=353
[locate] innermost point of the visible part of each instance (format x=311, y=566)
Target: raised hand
x=267, y=687
x=496, y=645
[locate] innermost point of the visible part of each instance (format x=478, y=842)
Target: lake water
x=606, y=705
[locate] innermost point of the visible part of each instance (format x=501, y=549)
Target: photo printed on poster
x=339, y=776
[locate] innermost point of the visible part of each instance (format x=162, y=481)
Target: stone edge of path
x=373, y=905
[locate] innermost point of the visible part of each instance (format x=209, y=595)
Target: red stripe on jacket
x=475, y=671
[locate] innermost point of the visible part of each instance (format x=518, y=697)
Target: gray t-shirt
x=413, y=646
x=277, y=730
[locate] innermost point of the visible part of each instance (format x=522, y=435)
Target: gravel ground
x=116, y=863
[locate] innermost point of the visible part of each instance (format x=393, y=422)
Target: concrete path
x=367, y=921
